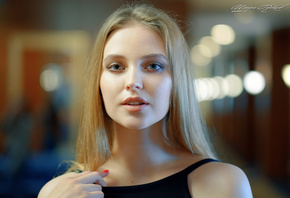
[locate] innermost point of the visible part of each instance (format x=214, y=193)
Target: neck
x=145, y=146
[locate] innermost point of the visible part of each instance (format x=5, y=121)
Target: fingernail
x=105, y=171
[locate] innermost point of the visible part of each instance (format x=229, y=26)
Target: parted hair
x=185, y=126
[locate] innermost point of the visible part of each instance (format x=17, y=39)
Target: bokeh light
x=223, y=34
x=211, y=44
x=235, y=85
x=50, y=78
x=204, y=50
x=198, y=57
x=208, y=89
x=223, y=87
x=254, y=82
x=286, y=74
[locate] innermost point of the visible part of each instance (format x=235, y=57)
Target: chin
x=136, y=126
x=140, y=124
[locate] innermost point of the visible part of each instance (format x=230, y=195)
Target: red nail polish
x=106, y=171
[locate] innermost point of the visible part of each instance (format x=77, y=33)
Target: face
x=135, y=81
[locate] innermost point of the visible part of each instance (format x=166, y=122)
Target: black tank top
x=173, y=186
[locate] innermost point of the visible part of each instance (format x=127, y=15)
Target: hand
x=85, y=184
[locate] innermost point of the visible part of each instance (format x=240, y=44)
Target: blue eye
x=115, y=67
x=154, y=67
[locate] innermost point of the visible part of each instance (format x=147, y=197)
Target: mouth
x=135, y=104
x=134, y=101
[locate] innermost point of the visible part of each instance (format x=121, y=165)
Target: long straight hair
x=185, y=127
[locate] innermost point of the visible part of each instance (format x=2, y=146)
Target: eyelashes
x=154, y=67
x=151, y=67
x=115, y=67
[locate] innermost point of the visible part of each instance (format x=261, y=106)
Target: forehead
x=134, y=38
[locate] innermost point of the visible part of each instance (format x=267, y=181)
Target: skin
x=134, y=67
x=128, y=50
x=86, y=184
x=140, y=132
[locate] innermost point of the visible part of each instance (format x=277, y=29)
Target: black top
x=173, y=186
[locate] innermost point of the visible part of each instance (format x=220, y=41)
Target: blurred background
x=241, y=51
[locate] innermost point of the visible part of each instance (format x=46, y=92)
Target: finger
x=84, y=173
x=93, y=187
x=104, y=173
x=76, y=175
x=93, y=177
x=98, y=194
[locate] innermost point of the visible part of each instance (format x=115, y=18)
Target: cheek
x=106, y=87
x=110, y=87
x=162, y=91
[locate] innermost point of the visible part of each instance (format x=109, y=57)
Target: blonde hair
x=184, y=125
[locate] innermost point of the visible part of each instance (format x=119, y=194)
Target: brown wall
x=3, y=69
x=258, y=126
x=277, y=152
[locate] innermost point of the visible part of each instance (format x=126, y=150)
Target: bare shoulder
x=217, y=179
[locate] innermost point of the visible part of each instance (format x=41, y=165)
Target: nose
x=133, y=79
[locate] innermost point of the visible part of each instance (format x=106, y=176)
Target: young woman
x=141, y=133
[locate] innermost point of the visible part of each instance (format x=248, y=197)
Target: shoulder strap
x=194, y=166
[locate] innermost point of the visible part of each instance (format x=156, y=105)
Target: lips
x=134, y=101
x=135, y=104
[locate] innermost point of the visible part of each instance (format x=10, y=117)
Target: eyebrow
x=155, y=56
x=115, y=56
